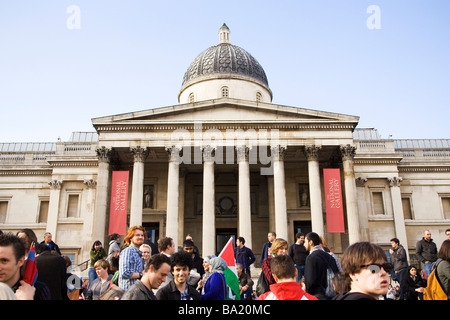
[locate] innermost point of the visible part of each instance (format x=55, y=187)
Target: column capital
x=55, y=184
x=174, y=153
x=348, y=152
x=278, y=152
x=360, y=182
x=104, y=154
x=139, y=153
x=394, y=181
x=208, y=153
x=90, y=183
x=242, y=153
x=312, y=152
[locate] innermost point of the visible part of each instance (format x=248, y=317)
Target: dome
x=225, y=61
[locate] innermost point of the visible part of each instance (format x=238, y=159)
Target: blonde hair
x=277, y=244
x=102, y=263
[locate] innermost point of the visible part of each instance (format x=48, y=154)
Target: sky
x=63, y=63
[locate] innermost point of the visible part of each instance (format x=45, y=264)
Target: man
x=130, y=261
x=166, y=247
x=426, y=251
x=400, y=261
x=286, y=287
x=178, y=288
x=447, y=233
x=298, y=253
x=243, y=255
x=52, y=271
x=271, y=236
x=49, y=242
x=114, y=246
x=12, y=258
x=316, y=265
x=197, y=263
x=155, y=272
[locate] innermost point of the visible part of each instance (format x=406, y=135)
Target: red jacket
x=289, y=290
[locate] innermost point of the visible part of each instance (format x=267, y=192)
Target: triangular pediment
x=226, y=110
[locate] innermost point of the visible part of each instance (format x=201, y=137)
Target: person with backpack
x=438, y=284
x=320, y=268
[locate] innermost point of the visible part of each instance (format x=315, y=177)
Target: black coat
x=316, y=272
x=52, y=271
x=170, y=292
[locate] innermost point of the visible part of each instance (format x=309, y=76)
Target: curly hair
x=131, y=232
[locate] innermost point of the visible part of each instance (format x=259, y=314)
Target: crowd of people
x=139, y=269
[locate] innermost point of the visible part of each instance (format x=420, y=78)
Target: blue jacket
x=244, y=256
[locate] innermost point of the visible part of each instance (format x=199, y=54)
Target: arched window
x=191, y=97
x=258, y=96
x=225, y=92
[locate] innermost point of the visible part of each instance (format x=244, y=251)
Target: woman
x=279, y=247
x=146, y=253
x=443, y=266
x=215, y=286
x=365, y=272
x=413, y=284
x=97, y=253
x=206, y=264
x=102, y=283
x=29, y=237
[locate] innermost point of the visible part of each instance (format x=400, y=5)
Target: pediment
x=226, y=110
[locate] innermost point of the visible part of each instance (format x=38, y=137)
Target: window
x=407, y=210
x=72, y=206
x=43, y=211
x=378, y=203
x=3, y=211
x=225, y=92
x=446, y=207
x=191, y=98
x=258, y=97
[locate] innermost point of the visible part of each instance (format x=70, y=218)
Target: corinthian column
x=399, y=219
x=209, y=217
x=348, y=153
x=173, y=182
x=279, y=191
x=137, y=191
x=53, y=207
x=245, y=214
x=101, y=197
x=315, y=193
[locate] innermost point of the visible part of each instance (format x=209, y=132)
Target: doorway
x=152, y=229
x=302, y=227
x=222, y=237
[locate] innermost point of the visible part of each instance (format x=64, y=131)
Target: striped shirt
x=130, y=261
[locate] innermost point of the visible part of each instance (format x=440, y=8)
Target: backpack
x=329, y=290
x=434, y=290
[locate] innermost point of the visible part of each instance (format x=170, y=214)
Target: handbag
x=262, y=286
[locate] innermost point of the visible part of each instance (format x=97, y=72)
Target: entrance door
x=302, y=226
x=153, y=229
x=222, y=237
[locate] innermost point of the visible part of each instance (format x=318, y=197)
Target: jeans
x=300, y=272
x=92, y=275
x=428, y=269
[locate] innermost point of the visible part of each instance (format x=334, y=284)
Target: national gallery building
x=227, y=162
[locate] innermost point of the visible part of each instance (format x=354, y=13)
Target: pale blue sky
x=131, y=56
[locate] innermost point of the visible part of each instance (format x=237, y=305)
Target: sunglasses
x=376, y=268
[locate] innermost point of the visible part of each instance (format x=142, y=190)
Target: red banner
x=333, y=201
x=119, y=203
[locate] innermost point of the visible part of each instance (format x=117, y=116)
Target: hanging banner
x=333, y=201
x=119, y=203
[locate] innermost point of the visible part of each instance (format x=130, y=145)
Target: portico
x=235, y=172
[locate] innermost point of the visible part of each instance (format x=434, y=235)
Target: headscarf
x=217, y=264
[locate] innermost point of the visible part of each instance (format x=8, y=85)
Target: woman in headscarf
x=215, y=287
